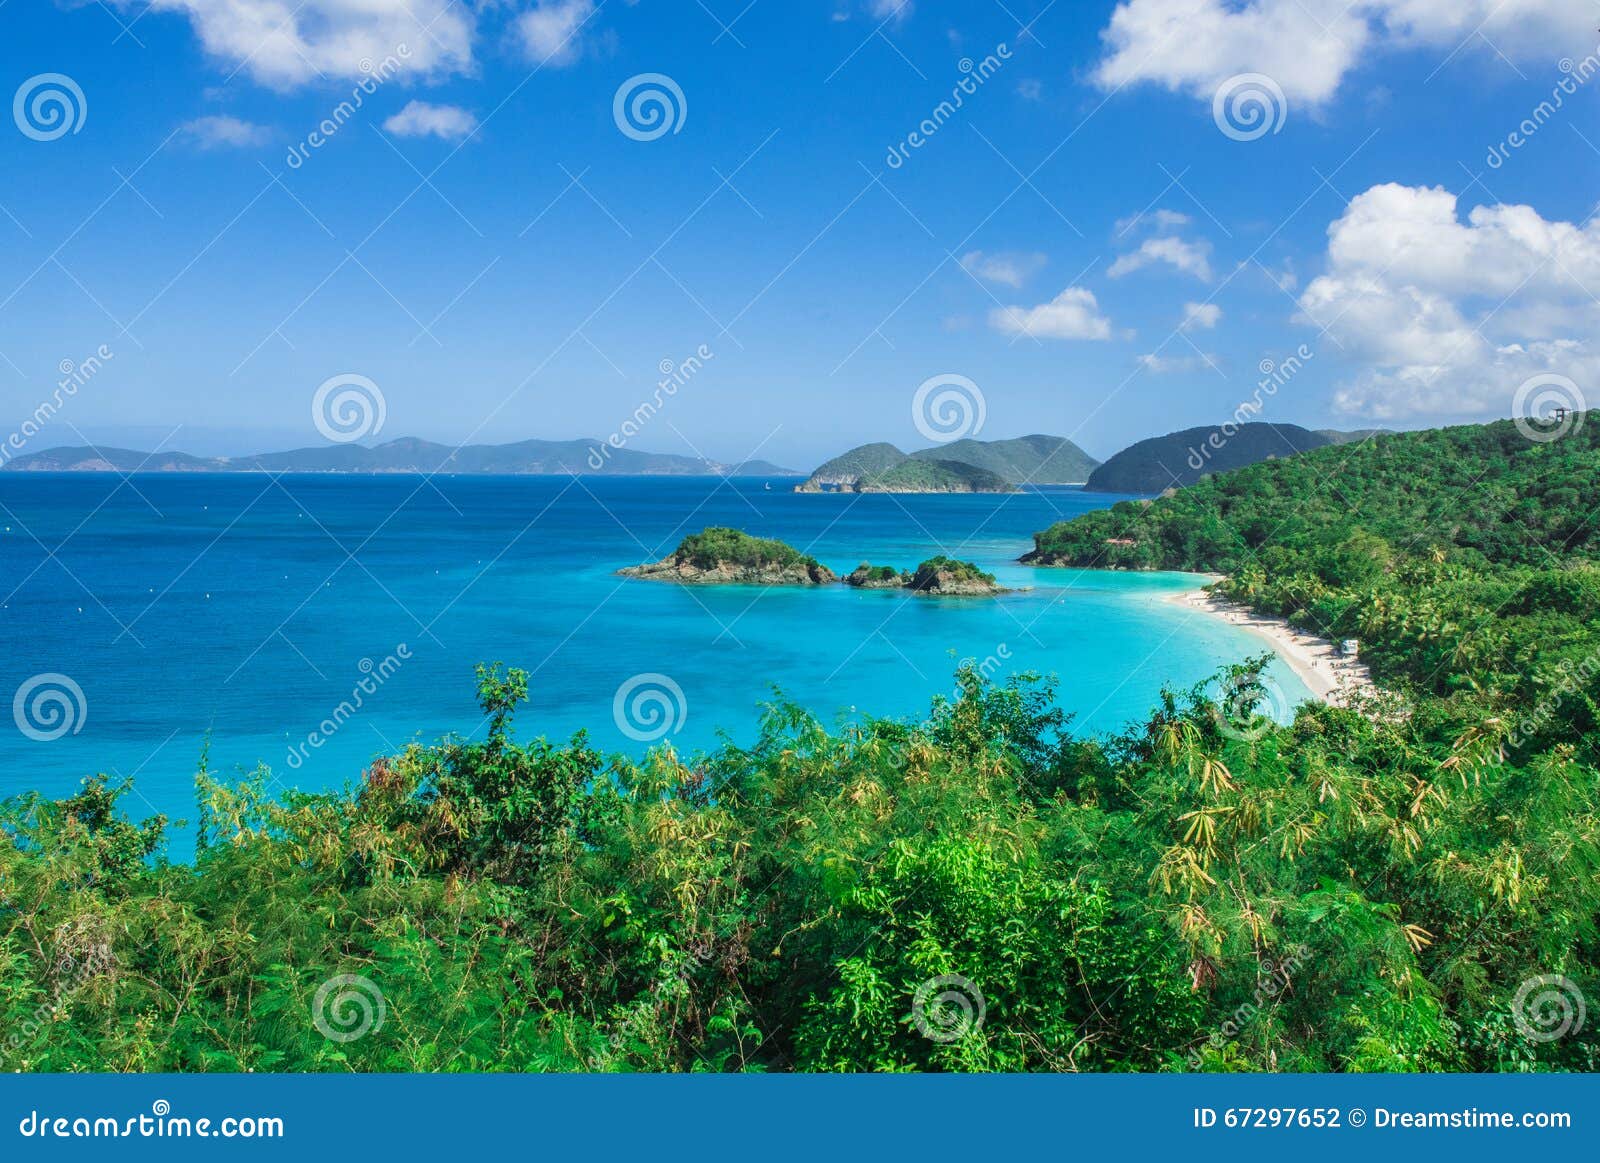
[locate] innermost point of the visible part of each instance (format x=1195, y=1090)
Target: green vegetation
x=1037, y=460
x=935, y=476
x=875, y=576
x=877, y=572
x=964, y=571
x=1364, y=890
x=720, y=545
x=866, y=460
x=1182, y=458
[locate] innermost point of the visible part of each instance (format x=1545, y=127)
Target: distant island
x=719, y=555
x=963, y=466
x=405, y=455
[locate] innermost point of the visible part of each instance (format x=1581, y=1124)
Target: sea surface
x=252, y=614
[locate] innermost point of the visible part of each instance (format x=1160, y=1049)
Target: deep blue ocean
x=247, y=609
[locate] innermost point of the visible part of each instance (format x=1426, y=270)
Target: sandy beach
x=1331, y=677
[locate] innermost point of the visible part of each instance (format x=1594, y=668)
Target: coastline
x=1317, y=662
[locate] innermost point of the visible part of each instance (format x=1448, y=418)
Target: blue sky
x=482, y=241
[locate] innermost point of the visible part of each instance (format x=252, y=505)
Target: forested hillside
x=1182, y=458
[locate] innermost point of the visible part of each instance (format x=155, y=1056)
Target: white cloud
x=1160, y=220
x=221, y=130
x=282, y=45
x=1307, y=46
x=892, y=10
x=1161, y=365
x=1285, y=279
x=1449, y=316
x=1189, y=257
x=551, y=32
x=1073, y=314
x=1200, y=316
x=1009, y=267
x=1030, y=89
x=420, y=119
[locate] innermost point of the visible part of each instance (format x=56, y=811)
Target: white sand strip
x=1329, y=675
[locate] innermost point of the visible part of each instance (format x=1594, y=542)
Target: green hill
x=983, y=466
x=1034, y=460
x=1474, y=493
x=1181, y=458
x=935, y=476
x=847, y=469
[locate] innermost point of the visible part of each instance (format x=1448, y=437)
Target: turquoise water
x=248, y=609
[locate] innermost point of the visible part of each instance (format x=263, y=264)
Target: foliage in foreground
x=1332, y=896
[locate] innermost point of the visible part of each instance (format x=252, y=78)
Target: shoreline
x=1317, y=662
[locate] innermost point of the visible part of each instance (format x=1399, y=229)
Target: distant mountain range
x=406, y=455
x=1182, y=458
x=962, y=466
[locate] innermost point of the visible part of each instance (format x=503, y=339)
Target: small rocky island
x=722, y=556
x=867, y=576
x=938, y=576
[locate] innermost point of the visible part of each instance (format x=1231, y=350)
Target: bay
x=256, y=612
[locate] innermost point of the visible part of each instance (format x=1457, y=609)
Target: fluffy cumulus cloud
x=551, y=32
x=1200, y=316
x=1307, y=46
x=285, y=43
x=1449, y=316
x=1192, y=258
x=421, y=119
x=1012, y=268
x=222, y=131
x=1073, y=314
